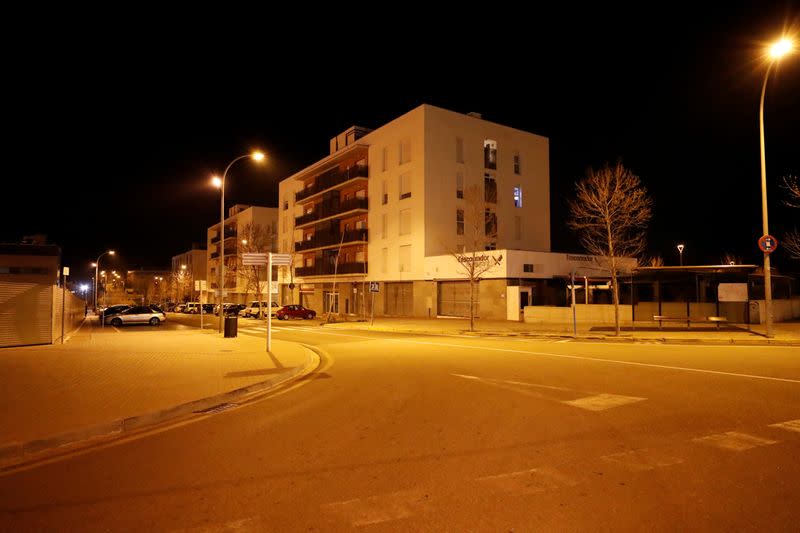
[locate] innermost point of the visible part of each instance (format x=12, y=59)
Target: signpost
x=200, y=286
x=374, y=287
x=270, y=260
x=65, y=272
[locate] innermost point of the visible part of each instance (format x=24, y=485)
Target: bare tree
x=652, y=261
x=254, y=238
x=731, y=259
x=791, y=240
x=479, y=227
x=610, y=214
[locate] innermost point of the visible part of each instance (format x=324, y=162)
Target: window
x=361, y=193
x=490, y=154
x=517, y=196
x=490, y=220
x=527, y=267
x=517, y=227
x=459, y=185
x=459, y=222
x=384, y=225
x=384, y=192
x=405, y=151
x=405, y=221
x=459, y=150
x=385, y=158
x=405, y=185
x=405, y=258
x=516, y=163
x=360, y=256
x=490, y=246
x=361, y=224
x=384, y=259
x=309, y=261
x=489, y=189
x=285, y=205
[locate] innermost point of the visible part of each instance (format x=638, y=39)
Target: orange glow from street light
x=216, y=181
x=781, y=48
x=111, y=252
x=257, y=156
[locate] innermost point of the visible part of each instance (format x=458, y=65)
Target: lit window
x=490, y=154
x=517, y=196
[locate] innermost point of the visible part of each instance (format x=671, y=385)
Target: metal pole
x=574, y=318
x=269, y=302
x=767, y=272
x=372, y=318
x=221, y=269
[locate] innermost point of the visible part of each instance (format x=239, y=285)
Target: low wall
x=596, y=313
x=74, y=313
x=782, y=310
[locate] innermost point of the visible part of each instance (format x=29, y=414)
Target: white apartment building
x=240, y=219
x=385, y=203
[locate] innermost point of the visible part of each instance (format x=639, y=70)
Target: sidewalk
x=104, y=381
x=786, y=333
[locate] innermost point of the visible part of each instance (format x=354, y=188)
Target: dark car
x=294, y=311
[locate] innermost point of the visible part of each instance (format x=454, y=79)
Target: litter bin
x=231, y=326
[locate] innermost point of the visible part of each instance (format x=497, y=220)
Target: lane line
x=791, y=425
x=576, y=357
x=735, y=441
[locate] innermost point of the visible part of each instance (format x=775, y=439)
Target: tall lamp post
x=776, y=51
x=96, y=266
x=220, y=182
x=680, y=252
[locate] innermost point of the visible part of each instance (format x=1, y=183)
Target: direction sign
x=374, y=286
x=254, y=259
x=767, y=244
x=281, y=259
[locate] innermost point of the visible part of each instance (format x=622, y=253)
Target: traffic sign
x=767, y=244
x=374, y=286
x=281, y=259
x=254, y=259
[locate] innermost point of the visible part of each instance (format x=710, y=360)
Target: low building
x=189, y=271
x=30, y=263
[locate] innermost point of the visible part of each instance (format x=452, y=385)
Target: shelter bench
x=717, y=320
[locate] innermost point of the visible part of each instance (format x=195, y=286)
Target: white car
x=253, y=310
x=138, y=314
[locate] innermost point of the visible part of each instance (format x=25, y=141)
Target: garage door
x=454, y=298
x=399, y=299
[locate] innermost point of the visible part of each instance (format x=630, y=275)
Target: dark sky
x=113, y=130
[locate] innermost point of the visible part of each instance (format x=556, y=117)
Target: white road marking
x=642, y=460
x=735, y=441
x=531, y=481
x=791, y=425
x=381, y=508
x=576, y=357
x=521, y=383
x=601, y=402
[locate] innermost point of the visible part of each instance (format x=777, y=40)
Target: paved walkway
x=98, y=377
x=786, y=333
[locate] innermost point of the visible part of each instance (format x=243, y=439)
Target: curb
x=579, y=338
x=13, y=454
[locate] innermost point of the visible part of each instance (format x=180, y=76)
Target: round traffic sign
x=767, y=244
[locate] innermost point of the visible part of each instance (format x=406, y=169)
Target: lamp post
x=680, y=252
x=776, y=51
x=220, y=182
x=96, y=265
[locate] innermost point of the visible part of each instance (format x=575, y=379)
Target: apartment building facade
x=243, y=222
x=187, y=269
x=383, y=202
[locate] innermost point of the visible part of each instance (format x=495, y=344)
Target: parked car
x=113, y=310
x=192, y=308
x=294, y=311
x=179, y=308
x=253, y=310
x=139, y=314
x=230, y=309
x=208, y=308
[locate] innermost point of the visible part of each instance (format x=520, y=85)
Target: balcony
x=229, y=232
x=326, y=269
x=331, y=179
x=321, y=241
x=327, y=210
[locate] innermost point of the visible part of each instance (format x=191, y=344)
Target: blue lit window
x=518, y=196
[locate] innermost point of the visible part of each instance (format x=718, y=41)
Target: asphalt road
x=421, y=433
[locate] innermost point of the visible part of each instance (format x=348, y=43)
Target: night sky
x=113, y=133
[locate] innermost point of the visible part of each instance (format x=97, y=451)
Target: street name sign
x=374, y=286
x=254, y=259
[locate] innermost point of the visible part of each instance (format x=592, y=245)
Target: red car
x=294, y=311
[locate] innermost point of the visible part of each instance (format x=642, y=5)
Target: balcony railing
x=329, y=209
x=326, y=269
x=318, y=241
x=229, y=232
x=331, y=179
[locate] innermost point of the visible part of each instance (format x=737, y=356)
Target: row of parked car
x=254, y=310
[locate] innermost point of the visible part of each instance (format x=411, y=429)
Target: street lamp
x=680, y=251
x=96, y=265
x=776, y=51
x=220, y=182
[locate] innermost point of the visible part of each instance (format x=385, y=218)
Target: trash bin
x=231, y=326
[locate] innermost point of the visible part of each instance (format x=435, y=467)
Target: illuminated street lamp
x=220, y=183
x=96, y=266
x=776, y=51
x=680, y=251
